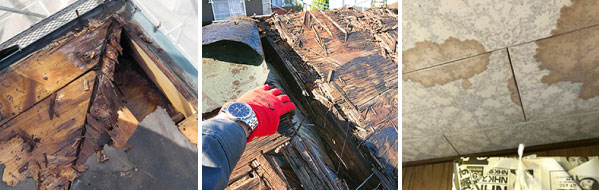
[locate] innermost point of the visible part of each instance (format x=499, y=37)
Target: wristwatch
x=241, y=111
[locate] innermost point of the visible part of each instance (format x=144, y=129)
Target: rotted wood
x=42, y=73
x=363, y=71
x=283, y=31
x=274, y=180
x=107, y=113
x=141, y=95
x=311, y=171
x=322, y=25
x=336, y=24
x=178, y=94
x=33, y=145
x=320, y=42
x=253, y=150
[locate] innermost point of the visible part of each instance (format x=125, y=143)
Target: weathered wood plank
x=321, y=24
x=142, y=97
x=267, y=173
x=311, y=171
x=336, y=24
x=189, y=128
x=42, y=73
x=182, y=103
x=362, y=72
x=255, y=148
x=54, y=141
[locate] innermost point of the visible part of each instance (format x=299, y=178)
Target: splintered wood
x=351, y=71
x=108, y=112
x=46, y=132
x=254, y=150
x=310, y=170
x=48, y=146
x=43, y=72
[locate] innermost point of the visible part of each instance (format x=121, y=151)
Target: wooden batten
x=160, y=76
x=189, y=128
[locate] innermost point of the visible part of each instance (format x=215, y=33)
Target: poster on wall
x=547, y=173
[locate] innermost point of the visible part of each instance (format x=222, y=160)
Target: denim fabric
x=223, y=142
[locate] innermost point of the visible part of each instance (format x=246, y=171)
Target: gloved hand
x=268, y=105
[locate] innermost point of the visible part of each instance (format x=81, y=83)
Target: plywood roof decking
x=47, y=146
x=42, y=73
x=358, y=74
x=46, y=98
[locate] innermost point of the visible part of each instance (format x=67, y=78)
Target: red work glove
x=268, y=106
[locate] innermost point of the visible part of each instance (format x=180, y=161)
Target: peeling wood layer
x=311, y=171
x=40, y=74
x=346, y=60
x=104, y=109
x=159, y=72
x=48, y=147
x=254, y=150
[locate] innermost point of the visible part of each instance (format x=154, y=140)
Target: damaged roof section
x=63, y=100
x=51, y=128
x=347, y=60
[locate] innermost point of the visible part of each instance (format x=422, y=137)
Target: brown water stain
x=573, y=57
x=511, y=86
x=580, y=14
x=427, y=53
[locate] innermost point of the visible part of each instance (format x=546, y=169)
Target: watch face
x=239, y=110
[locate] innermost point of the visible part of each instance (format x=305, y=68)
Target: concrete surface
x=160, y=158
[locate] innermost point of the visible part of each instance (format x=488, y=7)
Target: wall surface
x=486, y=75
x=253, y=7
x=207, y=14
